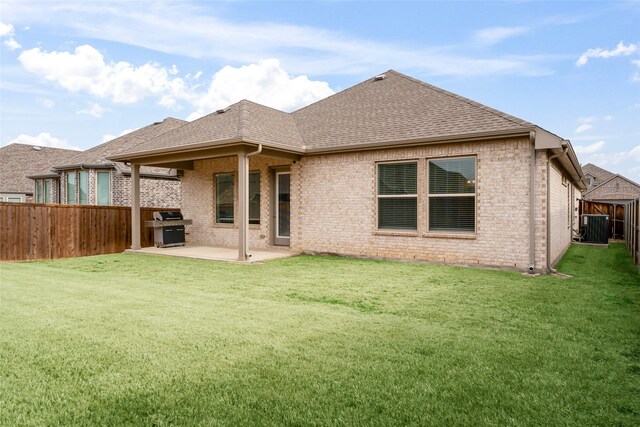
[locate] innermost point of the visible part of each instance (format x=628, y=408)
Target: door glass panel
x=284, y=202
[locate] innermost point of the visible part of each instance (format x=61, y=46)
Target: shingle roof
x=396, y=108
x=392, y=109
x=244, y=119
x=100, y=153
x=600, y=174
x=17, y=161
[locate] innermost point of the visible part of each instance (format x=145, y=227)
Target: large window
x=83, y=187
x=452, y=195
x=103, y=188
x=254, y=198
x=71, y=188
x=39, y=191
x=398, y=196
x=47, y=191
x=224, y=198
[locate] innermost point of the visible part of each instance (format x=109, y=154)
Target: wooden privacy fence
x=632, y=229
x=616, y=214
x=30, y=231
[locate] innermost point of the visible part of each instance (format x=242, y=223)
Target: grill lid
x=167, y=215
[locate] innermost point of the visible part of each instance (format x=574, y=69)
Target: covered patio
x=217, y=253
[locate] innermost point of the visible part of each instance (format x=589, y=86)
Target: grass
x=143, y=340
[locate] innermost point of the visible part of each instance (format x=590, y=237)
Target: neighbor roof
x=390, y=109
x=99, y=154
x=600, y=174
x=17, y=161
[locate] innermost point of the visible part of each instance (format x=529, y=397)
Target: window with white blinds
x=398, y=196
x=452, y=195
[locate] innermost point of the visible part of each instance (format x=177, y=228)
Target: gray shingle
x=17, y=161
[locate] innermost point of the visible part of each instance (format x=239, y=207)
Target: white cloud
x=588, y=119
x=265, y=83
x=608, y=118
x=94, y=110
x=495, y=35
x=620, y=50
x=7, y=30
x=583, y=128
x=86, y=71
x=109, y=137
x=46, y=102
x=589, y=149
x=43, y=139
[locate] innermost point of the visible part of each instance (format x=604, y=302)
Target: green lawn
x=143, y=340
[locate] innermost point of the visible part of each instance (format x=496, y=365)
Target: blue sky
x=74, y=74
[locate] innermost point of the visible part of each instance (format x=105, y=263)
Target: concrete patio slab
x=217, y=253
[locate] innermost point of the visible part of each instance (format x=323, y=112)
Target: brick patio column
x=243, y=206
x=135, y=206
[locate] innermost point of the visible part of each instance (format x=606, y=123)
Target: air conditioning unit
x=595, y=228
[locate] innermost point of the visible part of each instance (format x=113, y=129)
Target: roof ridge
x=516, y=120
x=243, y=119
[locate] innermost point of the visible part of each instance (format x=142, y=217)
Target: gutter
x=565, y=149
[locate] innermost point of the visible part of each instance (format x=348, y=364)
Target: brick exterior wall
x=333, y=206
x=615, y=189
x=560, y=227
x=154, y=192
x=198, y=203
x=338, y=206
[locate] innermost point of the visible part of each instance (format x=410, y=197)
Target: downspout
x=565, y=148
x=532, y=204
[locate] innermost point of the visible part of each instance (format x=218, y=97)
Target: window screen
x=398, y=196
x=254, y=198
x=83, y=187
x=452, y=191
x=47, y=191
x=39, y=191
x=224, y=198
x=71, y=188
x=103, y=188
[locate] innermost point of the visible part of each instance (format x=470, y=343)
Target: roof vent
x=380, y=77
x=35, y=147
x=222, y=110
x=157, y=123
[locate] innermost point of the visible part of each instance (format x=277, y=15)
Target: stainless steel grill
x=171, y=234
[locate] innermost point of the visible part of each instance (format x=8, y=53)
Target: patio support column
x=243, y=206
x=135, y=207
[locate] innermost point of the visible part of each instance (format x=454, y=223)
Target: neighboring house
x=17, y=161
x=390, y=168
x=605, y=186
x=89, y=178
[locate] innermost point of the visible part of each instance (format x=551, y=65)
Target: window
x=254, y=198
x=398, y=196
x=587, y=181
x=224, y=198
x=39, y=191
x=452, y=195
x=71, y=188
x=14, y=199
x=103, y=188
x=47, y=191
x=83, y=188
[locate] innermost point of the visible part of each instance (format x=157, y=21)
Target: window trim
x=452, y=233
x=378, y=196
x=215, y=201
